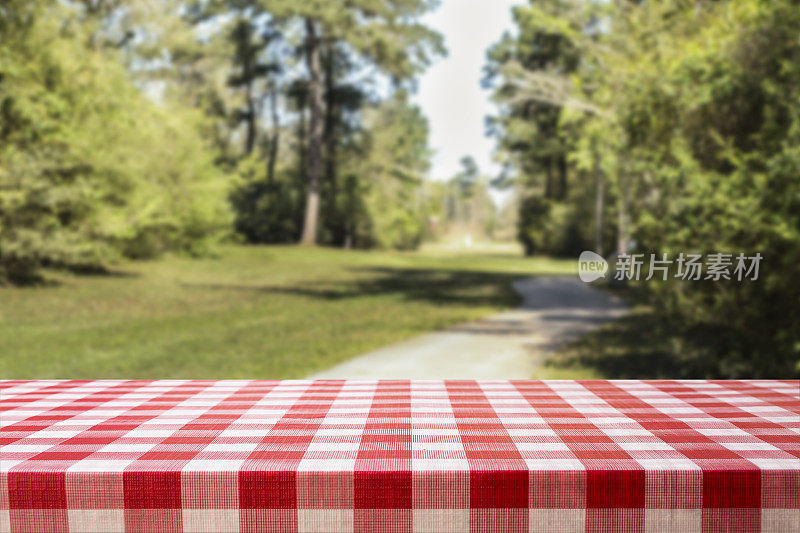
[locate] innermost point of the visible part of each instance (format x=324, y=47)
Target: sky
x=450, y=93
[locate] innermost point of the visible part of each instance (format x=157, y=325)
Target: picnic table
x=340, y=455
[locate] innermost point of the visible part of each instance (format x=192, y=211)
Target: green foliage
x=392, y=172
x=377, y=201
x=530, y=135
x=718, y=170
x=465, y=206
x=283, y=127
x=267, y=211
x=90, y=168
x=691, y=111
x=549, y=227
x=386, y=33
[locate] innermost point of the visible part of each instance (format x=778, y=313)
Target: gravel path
x=509, y=345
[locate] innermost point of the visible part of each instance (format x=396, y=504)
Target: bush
x=549, y=227
x=90, y=168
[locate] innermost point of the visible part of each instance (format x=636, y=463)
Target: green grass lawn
x=254, y=312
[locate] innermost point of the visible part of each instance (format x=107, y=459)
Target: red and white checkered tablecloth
x=400, y=456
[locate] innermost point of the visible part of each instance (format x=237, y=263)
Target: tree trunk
x=622, y=232
x=250, y=140
x=301, y=174
x=247, y=76
x=302, y=143
x=276, y=132
x=315, y=135
x=329, y=141
x=599, y=204
x=548, y=184
x=562, y=177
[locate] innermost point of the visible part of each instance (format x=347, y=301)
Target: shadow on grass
x=440, y=286
x=44, y=278
x=623, y=349
x=102, y=272
x=647, y=345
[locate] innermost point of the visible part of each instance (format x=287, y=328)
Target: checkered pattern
x=400, y=456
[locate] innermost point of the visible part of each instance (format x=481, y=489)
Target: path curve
x=509, y=345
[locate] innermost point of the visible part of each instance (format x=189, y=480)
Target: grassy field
x=254, y=312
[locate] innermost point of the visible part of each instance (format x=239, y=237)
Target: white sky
x=449, y=91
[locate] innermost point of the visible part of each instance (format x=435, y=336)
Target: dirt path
x=509, y=345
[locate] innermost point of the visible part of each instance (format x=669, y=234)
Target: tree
x=390, y=172
x=249, y=69
x=332, y=42
x=74, y=189
x=315, y=133
x=530, y=75
x=383, y=33
x=686, y=115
